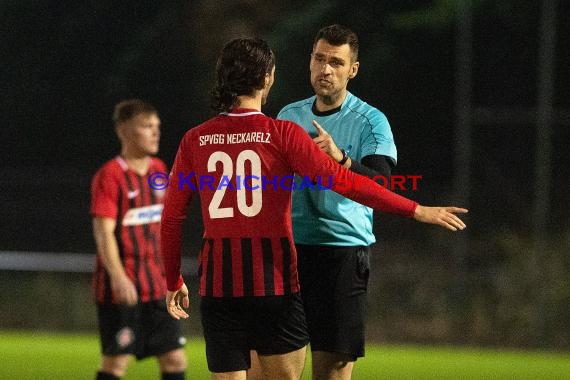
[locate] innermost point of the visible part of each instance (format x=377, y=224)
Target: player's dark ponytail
x=223, y=98
x=241, y=69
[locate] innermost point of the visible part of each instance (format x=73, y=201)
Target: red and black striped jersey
x=121, y=194
x=242, y=165
x=247, y=266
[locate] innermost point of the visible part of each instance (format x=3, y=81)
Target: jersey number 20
x=228, y=171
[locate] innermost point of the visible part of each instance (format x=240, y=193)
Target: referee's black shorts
x=143, y=330
x=334, y=283
x=233, y=326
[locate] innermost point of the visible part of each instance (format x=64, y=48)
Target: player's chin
x=152, y=150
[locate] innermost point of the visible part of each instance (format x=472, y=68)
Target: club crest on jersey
x=133, y=193
x=125, y=337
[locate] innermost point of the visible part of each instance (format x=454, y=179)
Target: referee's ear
x=353, y=70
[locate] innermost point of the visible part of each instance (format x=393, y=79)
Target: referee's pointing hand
x=325, y=141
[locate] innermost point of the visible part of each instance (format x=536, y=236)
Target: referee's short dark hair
x=127, y=109
x=337, y=35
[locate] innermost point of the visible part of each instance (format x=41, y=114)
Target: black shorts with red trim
x=233, y=326
x=143, y=330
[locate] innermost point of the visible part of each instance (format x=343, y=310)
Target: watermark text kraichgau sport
x=191, y=181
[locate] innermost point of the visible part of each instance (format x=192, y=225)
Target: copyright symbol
x=158, y=180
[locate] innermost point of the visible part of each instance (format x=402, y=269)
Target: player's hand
x=123, y=289
x=176, y=301
x=443, y=216
x=326, y=143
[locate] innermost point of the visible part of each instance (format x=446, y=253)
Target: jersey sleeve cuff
x=174, y=286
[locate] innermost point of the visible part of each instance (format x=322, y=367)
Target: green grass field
x=65, y=356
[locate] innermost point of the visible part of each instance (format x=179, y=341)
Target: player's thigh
x=287, y=366
x=255, y=372
x=238, y=375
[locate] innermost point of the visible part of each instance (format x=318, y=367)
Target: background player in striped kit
x=248, y=271
x=129, y=277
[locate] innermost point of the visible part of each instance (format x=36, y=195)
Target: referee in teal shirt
x=333, y=234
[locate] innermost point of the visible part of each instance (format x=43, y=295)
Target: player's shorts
x=334, y=283
x=234, y=326
x=143, y=330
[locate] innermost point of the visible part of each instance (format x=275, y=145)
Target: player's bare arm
x=443, y=216
x=177, y=301
x=123, y=289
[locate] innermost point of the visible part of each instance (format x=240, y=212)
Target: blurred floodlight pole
x=463, y=149
x=463, y=110
x=544, y=116
x=466, y=115
x=463, y=119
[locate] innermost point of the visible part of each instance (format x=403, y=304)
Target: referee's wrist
x=344, y=157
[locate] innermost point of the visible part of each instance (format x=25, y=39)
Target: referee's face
x=142, y=134
x=331, y=69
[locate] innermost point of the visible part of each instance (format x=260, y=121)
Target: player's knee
x=330, y=365
x=173, y=361
x=115, y=365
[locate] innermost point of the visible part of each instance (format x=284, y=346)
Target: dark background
x=64, y=64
